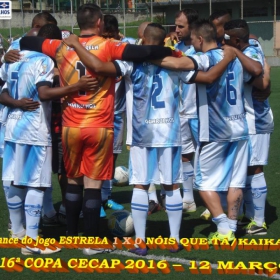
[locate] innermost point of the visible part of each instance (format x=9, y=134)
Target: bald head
x=33, y=32
x=141, y=29
x=154, y=34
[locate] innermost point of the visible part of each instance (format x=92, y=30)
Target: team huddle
x=197, y=114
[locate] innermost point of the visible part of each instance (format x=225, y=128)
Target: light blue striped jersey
x=221, y=104
x=152, y=102
x=258, y=114
x=22, y=79
x=188, y=106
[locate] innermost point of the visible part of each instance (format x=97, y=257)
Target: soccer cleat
x=254, y=229
x=205, y=215
x=50, y=222
x=220, y=237
x=163, y=201
x=189, y=207
x=153, y=207
x=89, y=252
x=37, y=251
x=180, y=248
x=62, y=215
x=243, y=222
x=113, y=205
x=102, y=212
x=139, y=251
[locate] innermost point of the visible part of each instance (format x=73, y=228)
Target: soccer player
x=13, y=55
x=219, y=18
x=188, y=110
x=87, y=132
x=111, y=31
x=223, y=131
x=27, y=150
x=153, y=128
x=260, y=122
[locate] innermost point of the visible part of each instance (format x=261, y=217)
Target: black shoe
x=153, y=207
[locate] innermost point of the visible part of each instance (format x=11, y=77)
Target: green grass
x=157, y=224
x=130, y=30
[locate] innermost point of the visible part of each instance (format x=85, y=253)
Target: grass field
x=157, y=225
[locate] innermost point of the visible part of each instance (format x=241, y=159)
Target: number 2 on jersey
x=156, y=90
x=231, y=91
x=81, y=72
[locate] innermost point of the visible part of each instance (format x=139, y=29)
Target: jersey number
x=231, y=91
x=81, y=72
x=14, y=79
x=156, y=90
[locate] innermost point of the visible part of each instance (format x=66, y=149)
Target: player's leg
x=256, y=198
x=213, y=174
x=72, y=156
x=107, y=187
x=16, y=194
x=238, y=159
x=141, y=175
x=153, y=200
x=188, y=150
x=59, y=169
x=170, y=177
x=96, y=166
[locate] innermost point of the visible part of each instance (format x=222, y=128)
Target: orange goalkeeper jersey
x=86, y=109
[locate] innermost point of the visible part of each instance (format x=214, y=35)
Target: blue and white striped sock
x=139, y=210
x=174, y=208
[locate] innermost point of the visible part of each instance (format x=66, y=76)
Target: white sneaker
x=37, y=251
x=189, y=207
x=206, y=215
x=88, y=251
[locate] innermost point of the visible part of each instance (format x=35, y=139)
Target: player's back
x=87, y=109
x=23, y=77
x=221, y=104
x=152, y=106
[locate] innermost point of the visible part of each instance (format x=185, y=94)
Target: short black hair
x=205, y=29
x=50, y=31
x=111, y=26
x=88, y=15
x=218, y=13
x=45, y=16
x=241, y=28
x=191, y=15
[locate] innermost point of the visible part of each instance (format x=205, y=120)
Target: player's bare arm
x=215, y=72
x=12, y=56
x=183, y=63
x=253, y=67
x=86, y=83
x=92, y=62
x=25, y=104
x=262, y=95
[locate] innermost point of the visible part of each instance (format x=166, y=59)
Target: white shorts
x=27, y=165
x=258, y=149
x=219, y=166
x=193, y=123
x=118, y=132
x=155, y=165
x=187, y=139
